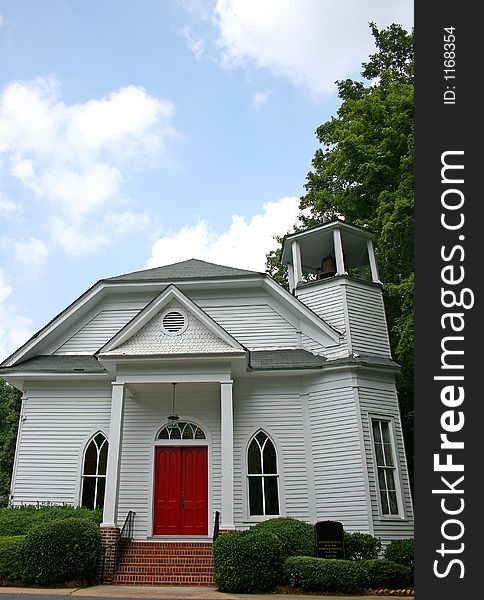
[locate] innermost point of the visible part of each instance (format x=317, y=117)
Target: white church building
x=192, y=389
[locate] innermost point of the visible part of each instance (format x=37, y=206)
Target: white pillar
x=290, y=277
x=338, y=252
x=296, y=262
x=110, y=512
x=371, y=257
x=227, y=424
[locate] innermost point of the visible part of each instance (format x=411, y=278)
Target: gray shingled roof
x=56, y=363
x=188, y=269
x=268, y=360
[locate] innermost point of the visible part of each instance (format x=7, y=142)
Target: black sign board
x=329, y=539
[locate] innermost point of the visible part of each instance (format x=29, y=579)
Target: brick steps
x=166, y=563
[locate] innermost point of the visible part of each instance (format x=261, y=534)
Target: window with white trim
x=386, y=467
x=94, y=472
x=262, y=476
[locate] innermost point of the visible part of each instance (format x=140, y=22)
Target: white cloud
x=31, y=252
x=312, y=43
x=77, y=239
x=8, y=208
x=245, y=244
x=77, y=158
x=194, y=42
x=14, y=328
x=259, y=99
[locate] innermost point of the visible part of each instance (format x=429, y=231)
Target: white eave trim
x=306, y=313
x=154, y=307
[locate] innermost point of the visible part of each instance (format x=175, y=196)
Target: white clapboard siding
x=143, y=417
x=381, y=402
x=98, y=331
x=57, y=425
x=255, y=326
x=337, y=458
x=326, y=300
x=275, y=407
x=366, y=314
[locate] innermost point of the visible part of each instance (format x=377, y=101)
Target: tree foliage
x=10, y=400
x=363, y=172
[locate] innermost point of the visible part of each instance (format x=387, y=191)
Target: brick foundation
x=106, y=566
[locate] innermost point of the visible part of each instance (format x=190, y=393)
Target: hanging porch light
x=173, y=419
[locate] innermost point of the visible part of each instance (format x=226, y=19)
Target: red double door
x=181, y=491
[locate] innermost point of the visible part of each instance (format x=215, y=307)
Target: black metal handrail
x=216, y=525
x=116, y=549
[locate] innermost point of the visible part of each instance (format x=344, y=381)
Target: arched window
x=94, y=472
x=262, y=476
x=181, y=431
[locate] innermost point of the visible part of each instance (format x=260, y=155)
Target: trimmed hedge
x=61, y=550
x=325, y=575
x=401, y=552
x=247, y=562
x=386, y=574
x=11, y=564
x=297, y=537
x=361, y=546
x=19, y=520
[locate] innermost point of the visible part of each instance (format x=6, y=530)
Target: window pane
x=254, y=458
x=103, y=459
x=385, y=429
x=392, y=496
x=88, y=487
x=271, y=495
x=187, y=432
x=384, y=503
x=199, y=435
x=376, y=431
x=381, y=479
x=390, y=479
x=255, y=496
x=388, y=455
x=90, y=461
x=101, y=486
x=261, y=438
x=379, y=455
x=175, y=434
x=99, y=439
x=163, y=434
x=270, y=462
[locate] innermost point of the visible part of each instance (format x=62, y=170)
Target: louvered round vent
x=174, y=322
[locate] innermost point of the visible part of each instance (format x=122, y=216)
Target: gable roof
x=187, y=269
x=56, y=363
x=147, y=314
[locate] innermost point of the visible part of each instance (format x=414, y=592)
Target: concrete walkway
x=177, y=593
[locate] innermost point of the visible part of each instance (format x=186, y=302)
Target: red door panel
x=181, y=491
x=194, y=491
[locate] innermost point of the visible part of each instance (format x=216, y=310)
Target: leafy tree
x=10, y=400
x=363, y=172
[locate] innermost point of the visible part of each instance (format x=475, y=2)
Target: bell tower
x=332, y=269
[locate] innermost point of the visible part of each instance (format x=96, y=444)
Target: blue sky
x=134, y=134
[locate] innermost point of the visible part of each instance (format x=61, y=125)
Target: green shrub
x=325, y=575
x=61, y=550
x=361, y=546
x=386, y=574
x=401, y=552
x=247, y=562
x=296, y=537
x=19, y=520
x=11, y=566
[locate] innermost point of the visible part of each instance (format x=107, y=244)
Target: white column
x=338, y=252
x=110, y=512
x=373, y=267
x=290, y=277
x=296, y=262
x=227, y=424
